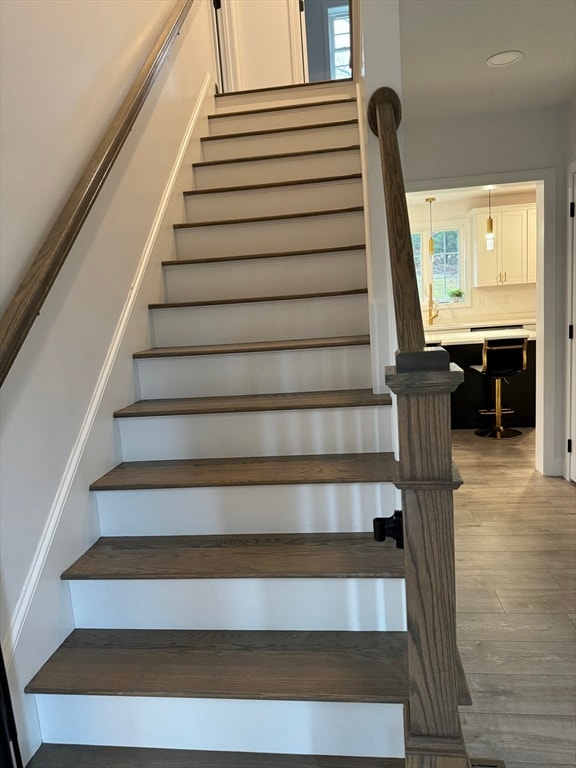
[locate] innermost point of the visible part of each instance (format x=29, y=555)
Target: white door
x=261, y=44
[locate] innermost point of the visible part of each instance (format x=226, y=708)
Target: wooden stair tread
x=259, y=470
x=275, y=255
x=254, y=346
x=81, y=756
x=278, y=155
x=285, y=129
x=284, y=107
x=249, y=556
x=272, y=217
x=273, y=665
x=261, y=299
x=344, y=398
x=274, y=184
x=340, y=666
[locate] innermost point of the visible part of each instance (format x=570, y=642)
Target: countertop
x=447, y=337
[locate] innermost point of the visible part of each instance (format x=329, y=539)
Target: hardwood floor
x=516, y=579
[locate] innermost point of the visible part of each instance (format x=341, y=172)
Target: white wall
x=381, y=40
x=511, y=144
x=74, y=62
x=57, y=431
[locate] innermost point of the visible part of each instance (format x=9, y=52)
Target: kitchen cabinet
x=513, y=259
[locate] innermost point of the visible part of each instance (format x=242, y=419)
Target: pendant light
x=489, y=225
x=430, y=200
x=431, y=313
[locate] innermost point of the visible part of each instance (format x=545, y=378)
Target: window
x=339, y=37
x=444, y=269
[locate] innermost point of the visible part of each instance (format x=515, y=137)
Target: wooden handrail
x=384, y=115
x=25, y=306
x=422, y=380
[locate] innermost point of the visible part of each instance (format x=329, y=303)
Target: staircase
x=236, y=610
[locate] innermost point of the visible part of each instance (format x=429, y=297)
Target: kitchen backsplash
x=496, y=303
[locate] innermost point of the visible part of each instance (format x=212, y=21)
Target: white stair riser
x=261, y=277
x=292, y=727
x=283, y=118
x=233, y=102
x=270, y=201
x=301, y=370
x=267, y=433
x=286, y=141
x=241, y=604
x=299, y=508
x=279, y=169
x=252, y=321
x=244, y=239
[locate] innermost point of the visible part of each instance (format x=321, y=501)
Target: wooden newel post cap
x=424, y=381
x=380, y=97
x=428, y=359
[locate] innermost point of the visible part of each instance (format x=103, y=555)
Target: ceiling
x=471, y=194
x=445, y=44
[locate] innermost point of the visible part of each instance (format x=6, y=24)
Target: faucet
x=431, y=314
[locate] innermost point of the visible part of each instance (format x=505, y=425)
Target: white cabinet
x=513, y=259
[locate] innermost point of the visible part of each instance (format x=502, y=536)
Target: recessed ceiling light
x=504, y=58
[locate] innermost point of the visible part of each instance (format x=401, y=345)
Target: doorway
x=326, y=40
x=548, y=439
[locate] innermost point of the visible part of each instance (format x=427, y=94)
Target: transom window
x=444, y=269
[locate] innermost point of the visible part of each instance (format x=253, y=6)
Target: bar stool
x=501, y=358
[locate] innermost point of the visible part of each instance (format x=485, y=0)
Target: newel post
x=423, y=382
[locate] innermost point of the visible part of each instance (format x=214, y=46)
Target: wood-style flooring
x=516, y=580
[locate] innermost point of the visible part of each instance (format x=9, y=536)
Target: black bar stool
x=501, y=358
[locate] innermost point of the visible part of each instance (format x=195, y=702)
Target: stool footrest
x=492, y=411
x=498, y=433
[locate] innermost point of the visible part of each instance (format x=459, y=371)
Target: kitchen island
x=477, y=391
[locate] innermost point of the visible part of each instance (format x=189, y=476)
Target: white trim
x=304, y=42
x=229, y=49
x=32, y=580
x=548, y=460
x=357, y=41
x=297, y=61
